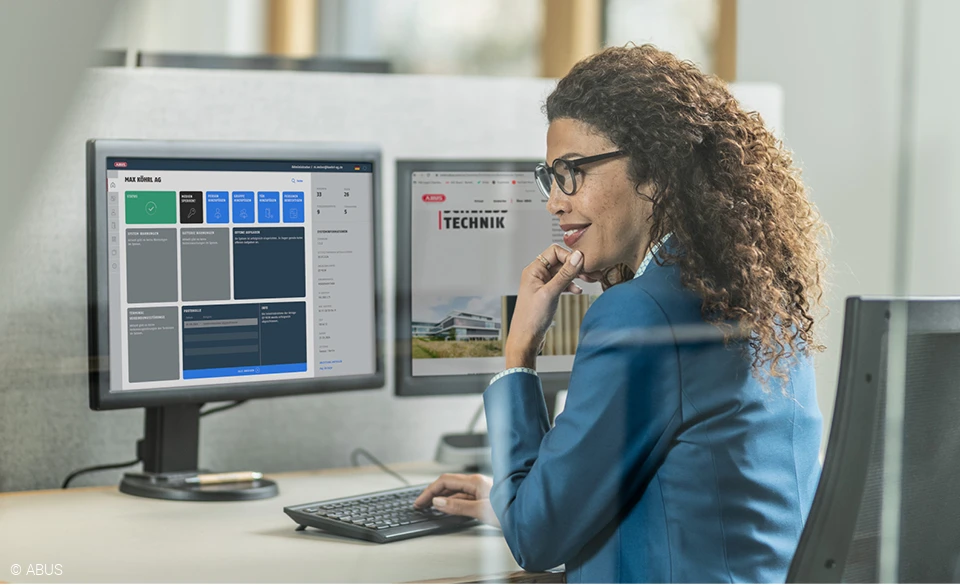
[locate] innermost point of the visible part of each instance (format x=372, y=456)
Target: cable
x=86, y=470
x=377, y=462
x=79, y=472
x=217, y=409
x=474, y=420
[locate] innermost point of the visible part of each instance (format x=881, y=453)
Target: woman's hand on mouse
x=460, y=495
x=541, y=283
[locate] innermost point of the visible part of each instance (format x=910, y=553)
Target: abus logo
x=474, y=219
x=120, y=164
x=434, y=198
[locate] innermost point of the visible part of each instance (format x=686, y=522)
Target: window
x=686, y=28
x=482, y=37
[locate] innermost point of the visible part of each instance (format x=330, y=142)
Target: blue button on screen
x=243, y=209
x=218, y=207
x=293, y=207
x=268, y=206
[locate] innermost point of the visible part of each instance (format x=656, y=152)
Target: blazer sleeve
x=556, y=489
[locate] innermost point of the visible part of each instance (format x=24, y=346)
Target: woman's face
x=605, y=218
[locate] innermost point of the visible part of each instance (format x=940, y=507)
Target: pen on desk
x=232, y=477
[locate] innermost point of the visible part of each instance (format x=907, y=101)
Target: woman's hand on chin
x=543, y=280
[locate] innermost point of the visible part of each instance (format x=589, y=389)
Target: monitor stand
x=471, y=451
x=169, y=451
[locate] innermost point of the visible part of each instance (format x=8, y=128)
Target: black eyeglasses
x=566, y=172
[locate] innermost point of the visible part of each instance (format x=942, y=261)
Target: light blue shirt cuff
x=514, y=371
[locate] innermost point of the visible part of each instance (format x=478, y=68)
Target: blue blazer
x=669, y=463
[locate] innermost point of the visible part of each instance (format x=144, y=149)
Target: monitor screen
x=467, y=231
x=231, y=276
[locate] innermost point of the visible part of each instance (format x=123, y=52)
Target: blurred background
x=866, y=92
x=487, y=37
x=867, y=108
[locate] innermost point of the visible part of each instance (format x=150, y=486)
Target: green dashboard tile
x=150, y=207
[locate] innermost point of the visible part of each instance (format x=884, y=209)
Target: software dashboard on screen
x=239, y=271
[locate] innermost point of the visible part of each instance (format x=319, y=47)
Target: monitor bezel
x=406, y=384
x=98, y=326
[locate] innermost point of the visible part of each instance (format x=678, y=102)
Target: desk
x=99, y=534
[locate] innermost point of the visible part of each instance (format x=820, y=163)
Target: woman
x=687, y=450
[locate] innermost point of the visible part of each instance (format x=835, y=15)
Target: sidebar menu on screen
x=343, y=277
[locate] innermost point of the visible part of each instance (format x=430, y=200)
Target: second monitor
x=466, y=230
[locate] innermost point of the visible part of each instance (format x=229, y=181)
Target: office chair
x=841, y=540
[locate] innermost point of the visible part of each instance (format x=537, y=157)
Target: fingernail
x=576, y=257
x=439, y=502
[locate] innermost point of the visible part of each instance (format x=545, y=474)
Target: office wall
x=840, y=66
x=934, y=267
x=34, y=98
x=46, y=427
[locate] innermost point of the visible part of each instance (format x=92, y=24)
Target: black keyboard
x=378, y=517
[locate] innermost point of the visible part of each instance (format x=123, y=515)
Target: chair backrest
x=841, y=540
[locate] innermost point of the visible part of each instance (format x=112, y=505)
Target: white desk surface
x=101, y=535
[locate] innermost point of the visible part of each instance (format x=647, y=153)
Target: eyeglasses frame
x=574, y=166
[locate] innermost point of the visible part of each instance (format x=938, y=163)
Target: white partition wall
x=843, y=122
x=46, y=427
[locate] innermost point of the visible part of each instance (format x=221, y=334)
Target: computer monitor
x=227, y=271
x=465, y=232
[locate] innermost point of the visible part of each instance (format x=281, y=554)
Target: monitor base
x=468, y=451
x=171, y=487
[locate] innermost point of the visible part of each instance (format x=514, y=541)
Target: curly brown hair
x=745, y=237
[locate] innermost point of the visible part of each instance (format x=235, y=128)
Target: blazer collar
x=650, y=255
